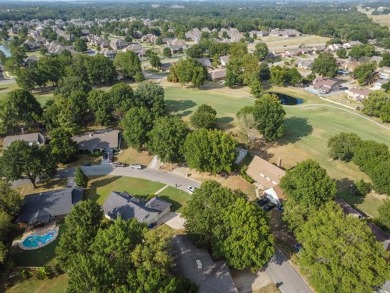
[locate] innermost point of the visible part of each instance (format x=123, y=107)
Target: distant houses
x=122, y=204
x=286, y=33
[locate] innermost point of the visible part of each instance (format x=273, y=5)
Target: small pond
x=288, y=100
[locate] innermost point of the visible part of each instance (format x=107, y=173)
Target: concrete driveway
x=173, y=220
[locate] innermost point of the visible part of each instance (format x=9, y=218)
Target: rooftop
x=30, y=138
x=97, y=140
x=265, y=173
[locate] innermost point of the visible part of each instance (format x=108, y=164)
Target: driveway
x=283, y=274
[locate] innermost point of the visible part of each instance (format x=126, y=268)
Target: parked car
x=87, y=164
x=263, y=201
x=136, y=166
x=297, y=247
x=268, y=207
x=118, y=164
x=191, y=189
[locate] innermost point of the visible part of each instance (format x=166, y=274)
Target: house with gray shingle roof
x=98, y=140
x=31, y=138
x=122, y=204
x=42, y=207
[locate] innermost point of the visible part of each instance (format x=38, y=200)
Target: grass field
x=176, y=197
x=381, y=19
x=54, y=285
x=276, y=42
x=38, y=257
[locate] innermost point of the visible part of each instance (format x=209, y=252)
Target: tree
x=80, y=45
x=167, y=52
x=136, y=124
x=22, y=160
x=249, y=243
x=365, y=73
x=128, y=64
x=341, y=53
x=362, y=187
x=19, y=110
x=265, y=73
x=62, y=147
x=80, y=178
x=380, y=176
x=69, y=84
x=151, y=95
x=385, y=61
x=223, y=221
x=339, y=252
x=269, y=115
x=122, y=98
x=102, y=107
x=10, y=200
x=325, y=65
x=384, y=214
x=167, y=138
x=196, y=51
x=199, y=76
x=256, y=88
x=375, y=102
x=210, y=150
x=188, y=70
x=385, y=113
x=261, y=50
x=82, y=225
x=204, y=117
x=155, y=61
x=250, y=69
x=369, y=153
x=342, y=146
x=308, y=187
x=100, y=70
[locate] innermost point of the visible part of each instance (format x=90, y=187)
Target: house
x=204, y=61
x=98, y=140
x=304, y=63
x=264, y=173
x=291, y=53
x=149, y=38
x=348, y=210
x=378, y=84
x=176, y=45
x=224, y=60
x=41, y=208
x=32, y=45
x=352, y=44
x=31, y=138
x=218, y=74
x=258, y=34
x=128, y=207
x=117, y=44
x=135, y=48
x=376, y=59
x=31, y=60
x=358, y=94
x=110, y=54
x=197, y=265
x=193, y=35
x=384, y=72
x=326, y=85
x=334, y=47
x=380, y=235
x=286, y=33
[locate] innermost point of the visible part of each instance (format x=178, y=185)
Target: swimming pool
x=37, y=241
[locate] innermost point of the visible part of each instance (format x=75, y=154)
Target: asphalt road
x=168, y=178
x=283, y=274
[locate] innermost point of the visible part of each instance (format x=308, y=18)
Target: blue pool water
x=35, y=241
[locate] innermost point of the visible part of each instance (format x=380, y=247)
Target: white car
x=136, y=166
x=191, y=189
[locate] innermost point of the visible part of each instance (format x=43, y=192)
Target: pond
x=288, y=100
x=5, y=49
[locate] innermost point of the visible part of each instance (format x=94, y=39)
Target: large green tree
x=19, y=110
x=167, y=137
x=365, y=73
x=210, y=150
x=261, y=50
x=102, y=107
x=21, y=160
x=204, y=117
x=136, y=124
x=384, y=214
x=80, y=178
x=62, y=147
x=82, y=225
x=342, y=146
x=325, y=65
x=269, y=115
x=375, y=102
x=122, y=98
x=100, y=70
x=188, y=70
x=151, y=95
x=10, y=200
x=340, y=253
x=307, y=187
x=128, y=64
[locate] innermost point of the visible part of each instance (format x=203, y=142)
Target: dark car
x=263, y=201
x=87, y=164
x=268, y=207
x=118, y=164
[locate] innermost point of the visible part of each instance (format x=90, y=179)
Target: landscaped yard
x=38, y=257
x=54, y=285
x=101, y=187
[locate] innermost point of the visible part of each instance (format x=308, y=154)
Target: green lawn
x=176, y=197
x=38, y=257
x=54, y=285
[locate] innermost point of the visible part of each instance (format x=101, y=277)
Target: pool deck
x=52, y=226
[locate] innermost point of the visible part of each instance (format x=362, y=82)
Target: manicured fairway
x=54, y=285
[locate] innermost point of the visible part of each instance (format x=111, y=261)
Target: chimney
x=279, y=162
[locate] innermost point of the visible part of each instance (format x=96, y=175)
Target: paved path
x=283, y=274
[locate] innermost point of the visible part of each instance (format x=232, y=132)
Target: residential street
x=171, y=179
x=283, y=274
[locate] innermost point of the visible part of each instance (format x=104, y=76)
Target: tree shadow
x=225, y=122
x=184, y=114
x=295, y=129
x=345, y=191
x=91, y=191
x=173, y=106
x=212, y=86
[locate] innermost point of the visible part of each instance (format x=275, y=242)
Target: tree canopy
x=325, y=65
x=204, y=117
x=342, y=146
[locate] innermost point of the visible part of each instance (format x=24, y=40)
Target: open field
x=277, y=42
x=54, y=285
x=382, y=19
x=5, y=88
